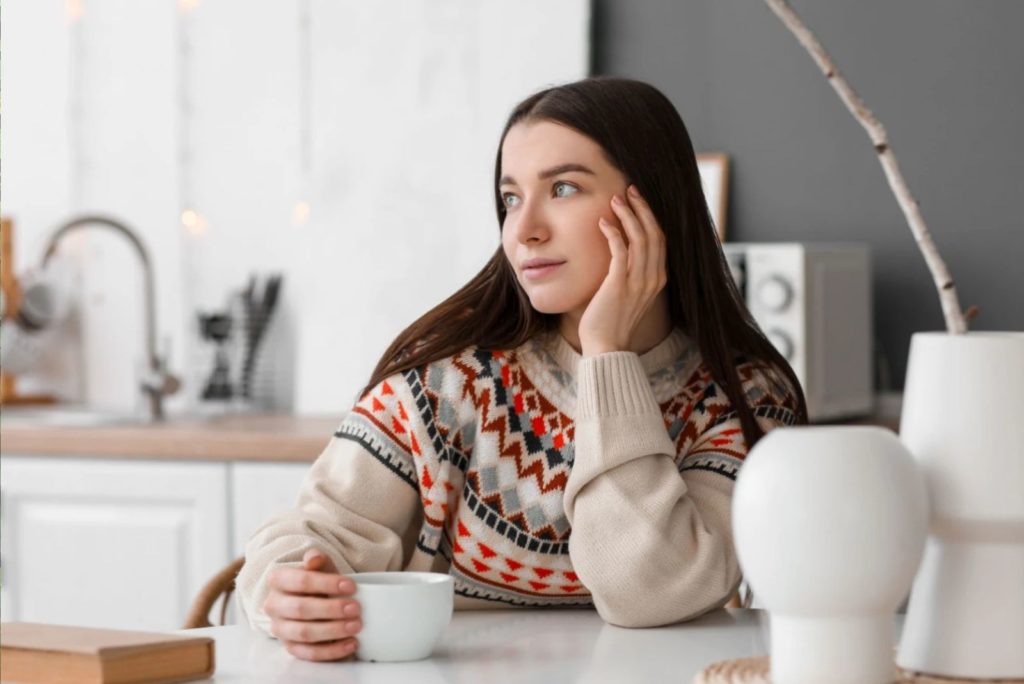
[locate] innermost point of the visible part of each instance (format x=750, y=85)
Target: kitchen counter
x=241, y=437
x=237, y=437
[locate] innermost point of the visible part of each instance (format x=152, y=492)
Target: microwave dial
x=774, y=293
x=782, y=342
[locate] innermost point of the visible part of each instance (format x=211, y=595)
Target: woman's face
x=556, y=183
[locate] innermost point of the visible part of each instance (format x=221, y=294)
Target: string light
x=301, y=213
x=76, y=103
x=193, y=222
x=73, y=10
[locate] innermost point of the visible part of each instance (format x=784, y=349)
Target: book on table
x=58, y=654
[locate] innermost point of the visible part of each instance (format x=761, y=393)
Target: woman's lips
x=537, y=272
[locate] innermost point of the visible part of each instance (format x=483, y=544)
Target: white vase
x=963, y=419
x=829, y=526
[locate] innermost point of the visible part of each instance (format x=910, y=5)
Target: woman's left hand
x=636, y=275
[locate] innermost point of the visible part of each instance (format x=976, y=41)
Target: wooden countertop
x=237, y=437
x=250, y=437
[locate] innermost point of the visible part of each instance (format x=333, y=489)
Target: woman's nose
x=531, y=224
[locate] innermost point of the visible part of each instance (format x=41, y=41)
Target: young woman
x=566, y=428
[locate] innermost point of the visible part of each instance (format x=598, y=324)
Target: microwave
x=813, y=303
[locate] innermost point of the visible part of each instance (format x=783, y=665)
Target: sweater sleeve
x=651, y=529
x=359, y=503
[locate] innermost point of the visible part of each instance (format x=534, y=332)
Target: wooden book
x=56, y=654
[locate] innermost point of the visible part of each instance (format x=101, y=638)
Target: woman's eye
x=562, y=189
x=559, y=189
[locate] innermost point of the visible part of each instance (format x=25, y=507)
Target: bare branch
x=956, y=322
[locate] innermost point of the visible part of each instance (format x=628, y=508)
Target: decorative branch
x=956, y=321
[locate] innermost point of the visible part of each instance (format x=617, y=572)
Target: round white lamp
x=963, y=419
x=829, y=526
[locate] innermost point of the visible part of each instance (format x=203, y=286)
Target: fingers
x=307, y=632
x=314, y=559
x=335, y=650
x=635, y=232
x=300, y=581
x=312, y=611
x=296, y=607
x=655, y=273
x=617, y=245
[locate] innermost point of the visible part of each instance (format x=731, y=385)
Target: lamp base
x=758, y=671
x=839, y=650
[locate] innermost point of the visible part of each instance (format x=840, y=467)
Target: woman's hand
x=636, y=275
x=312, y=611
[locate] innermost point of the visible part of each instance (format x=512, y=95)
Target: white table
x=549, y=646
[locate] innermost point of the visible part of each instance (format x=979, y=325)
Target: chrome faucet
x=158, y=382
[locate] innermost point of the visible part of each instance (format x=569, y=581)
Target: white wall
x=383, y=116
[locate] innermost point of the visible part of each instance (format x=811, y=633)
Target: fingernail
x=633, y=191
x=346, y=586
x=351, y=610
x=616, y=199
x=353, y=627
x=604, y=222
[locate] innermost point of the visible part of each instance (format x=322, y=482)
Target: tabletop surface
x=515, y=646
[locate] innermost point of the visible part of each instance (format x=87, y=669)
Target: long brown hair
x=644, y=137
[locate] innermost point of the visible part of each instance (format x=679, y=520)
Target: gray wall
x=944, y=77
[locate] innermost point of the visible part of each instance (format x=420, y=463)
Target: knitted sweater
x=535, y=477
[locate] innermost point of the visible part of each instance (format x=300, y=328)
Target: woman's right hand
x=312, y=609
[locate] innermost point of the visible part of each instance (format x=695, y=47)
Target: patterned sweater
x=535, y=477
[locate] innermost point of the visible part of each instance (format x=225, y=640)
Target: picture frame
x=714, y=178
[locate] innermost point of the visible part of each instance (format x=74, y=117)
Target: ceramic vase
x=963, y=419
x=829, y=525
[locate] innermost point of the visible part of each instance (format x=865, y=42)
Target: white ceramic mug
x=404, y=614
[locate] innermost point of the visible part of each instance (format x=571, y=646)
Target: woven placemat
x=756, y=671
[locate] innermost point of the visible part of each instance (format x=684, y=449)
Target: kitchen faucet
x=158, y=382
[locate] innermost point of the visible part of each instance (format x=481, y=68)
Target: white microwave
x=813, y=302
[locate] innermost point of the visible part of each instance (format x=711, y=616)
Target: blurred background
x=347, y=147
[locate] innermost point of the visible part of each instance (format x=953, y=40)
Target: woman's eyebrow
x=553, y=171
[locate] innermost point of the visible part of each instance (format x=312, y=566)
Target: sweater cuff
x=613, y=384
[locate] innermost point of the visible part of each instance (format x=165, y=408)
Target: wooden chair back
x=220, y=586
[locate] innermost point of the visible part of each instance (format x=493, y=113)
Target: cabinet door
x=123, y=544
x=260, y=491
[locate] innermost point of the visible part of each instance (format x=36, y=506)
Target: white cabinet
x=109, y=543
x=126, y=543
x=260, y=491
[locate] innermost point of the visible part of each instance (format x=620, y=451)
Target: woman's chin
x=546, y=305
x=551, y=305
